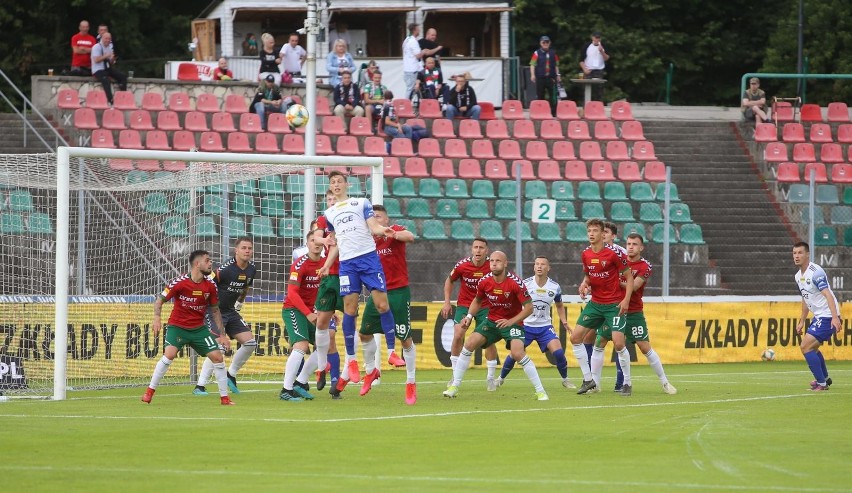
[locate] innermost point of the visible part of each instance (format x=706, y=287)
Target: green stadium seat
x=136, y=176
x=355, y=189
x=628, y=228
x=456, y=188
x=175, y=226
x=827, y=194
x=369, y=187
x=297, y=207
x=322, y=183
x=799, y=194
x=548, y=232
x=392, y=206
x=819, y=217
x=430, y=188
x=621, y=212
x=261, y=227
x=271, y=185
x=575, y=231
x=482, y=189
x=657, y=233
x=504, y=209
x=403, y=187
x=243, y=204
x=11, y=223
x=562, y=190
x=526, y=234
x=418, y=208
x=847, y=237
x=213, y=204
x=182, y=205
x=236, y=227
x=272, y=206
x=614, y=191
x=691, y=234
x=589, y=190
x=40, y=223
x=409, y=224
x=289, y=227
x=476, y=209
x=21, y=201
x=640, y=191
x=163, y=175
x=461, y=229
x=650, y=212
x=847, y=195
x=156, y=203
x=825, y=236
x=507, y=189
x=661, y=192
x=528, y=210
x=593, y=210
x=679, y=213
x=246, y=186
x=535, y=189
x=296, y=184
x=565, y=211
x=433, y=229
x=205, y=227
x=447, y=209
x=491, y=230
x=215, y=188
x=841, y=214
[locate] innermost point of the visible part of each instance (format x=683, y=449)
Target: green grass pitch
x=731, y=427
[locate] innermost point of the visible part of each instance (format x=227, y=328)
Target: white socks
x=409, y=354
x=624, y=359
x=206, y=373
x=461, y=366
x=453, y=361
x=291, y=369
x=597, y=364
x=309, y=366
x=657, y=365
x=583, y=361
x=241, y=356
x=159, y=370
x=491, y=365
x=322, y=340
x=532, y=373
x=370, y=347
x=221, y=378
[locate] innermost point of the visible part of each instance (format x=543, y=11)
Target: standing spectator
x=294, y=57
x=268, y=61
x=754, y=102
x=102, y=28
x=338, y=61
x=102, y=60
x=347, y=99
x=340, y=31
x=250, y=45
x=593, y=58
x=430, y=47
x=81, y=51
x=461, y=99
x=411, y=56
x=430, y=80
x=268, y=100
x=222, y=72
x=544, y=72
x=373, y=96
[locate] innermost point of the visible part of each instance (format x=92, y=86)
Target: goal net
x=89, y=237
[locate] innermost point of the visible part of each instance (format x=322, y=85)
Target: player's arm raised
x=379, y=230
x=448, y=293
x=628, y=291
x=404, y=236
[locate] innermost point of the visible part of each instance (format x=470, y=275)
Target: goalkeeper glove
x=238, y=306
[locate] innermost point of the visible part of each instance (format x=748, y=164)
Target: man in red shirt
x=469, y=270
x=81, y=51
x=601, y=267
x=509, y=304
x=222, y=72
x=192, y=293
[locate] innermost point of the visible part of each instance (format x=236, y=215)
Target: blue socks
x=619, y=375
x=813, y=359
x=822, y=363
x=334, y=361
x=508, y=364
x=349, y=333
x=561, y=362
x=389, y=328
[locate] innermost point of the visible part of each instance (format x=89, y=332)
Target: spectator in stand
x=430, y=80
x=754, y=102
x=81, y=51
x=268, y=61
x=411, y=56
x=250, y=45
x=102, y=28
x=430, y=47
x=593, y=58
x=373, y=96
x=222, y=72
x=394, y=128
x=347, y=99
x=338, y=61
x=340, y=31
x=461, y=99
x=294, y=57
x=103, y=59
x=544, y=72
x=365, y=75
x=268, y=100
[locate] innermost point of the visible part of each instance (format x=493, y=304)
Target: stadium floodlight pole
x=311, y=29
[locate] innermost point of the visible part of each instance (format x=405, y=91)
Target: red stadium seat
x=124, y=101
x=540, y=110
x=96, y=100
x=783, y=111
x=148, y=165
x=486, y=111
x=375, y=146
x=509, y=150
x=482, y=149
x=844, y=133
x=347, y=145
x=333, y=125
x=153, y=101
x=174, y=165
x=616, y=150
x=594, y=110
x=67, y=99
x=765, y=132
x=576, y=171
x=276, y=123
x=211, y=142
x=820, y=173
x=495, y=129
x=775, y=152
x=495, y=169
x=527, y=172
x=578, y=130
x=629, y=171
x=788, y=173
x=443, y=168
x=121, y=164
x=838, y=112
x=323, y=106
x=605, y=130
x=549, y=170
x=403, y=108
x=157, y=140
x=85, y=119
x=266, y=143
x=443, y=129
x=831, y=153
x=392, y=167
x=141, y=120
x=804, y=153
x=793, y=132
x=470, y=129
x=602, y=171
x=322, y=145
x=187, y=71
x=536, y=150
x=524, y=129
x=620, y=111
x=430, y=108
x=250, y=123
x=415, y=167
x=563, y=150
x=293, y=144
x=567, y=110
x=513, y=110
x=207, y=103
x=416, y=121
x=429, y=148
x=102, y=139
x=168, y=121
x=654, y=171
x=180, y=102
x=551, y=130
x=361, y=170
x=810, y=113
x=632, y=130
x=238, y=142
x=195, y=121
x=130, y=139
x=455, y=148
x=841, y=173
x=223, y=122
x=820, y=133
x=235, y=103
x=590, y=150
x=644, y=151
x=360, y=126
x=470, y=169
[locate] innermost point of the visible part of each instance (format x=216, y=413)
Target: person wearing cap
x=544, y=72
x=461, y=99
x=754, y=102
x=593, y=58
x=268, y=100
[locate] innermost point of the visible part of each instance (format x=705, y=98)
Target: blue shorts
x=233, y=321
x=541, y=335
x=821, y=329
x=365, y=270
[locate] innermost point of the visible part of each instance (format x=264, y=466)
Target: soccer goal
x=90, y=236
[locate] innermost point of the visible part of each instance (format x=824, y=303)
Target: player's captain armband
x=165, y=293
x=294, y=276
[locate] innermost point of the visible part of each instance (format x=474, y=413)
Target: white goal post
x=203, y=168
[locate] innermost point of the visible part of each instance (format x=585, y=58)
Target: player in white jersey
x=538, y=327
x=818, y=298
x=352, y=225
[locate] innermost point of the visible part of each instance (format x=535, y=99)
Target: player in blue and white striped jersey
x=545, y=292
x=818, y=298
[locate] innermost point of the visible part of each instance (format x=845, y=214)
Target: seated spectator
x=338, y=61
x=754, y=102
x=81, y=51
x=394, y=128
x=222, y=72
x=250, y=45
x=347, y=99
x=269, y=60
x=461, y=99
x=430, y=81
x=367, y=71
x=268, y=100
x=102, y=60
x=372, y=96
